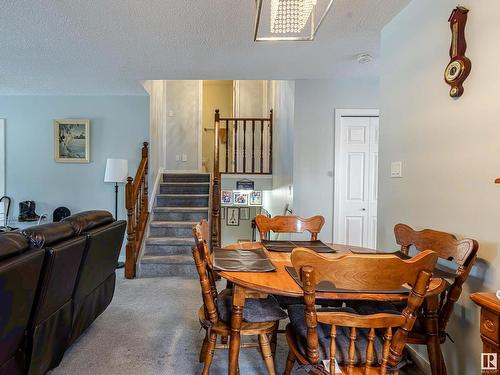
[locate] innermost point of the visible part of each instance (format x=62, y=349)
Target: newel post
x=216, y=186
x=130, y=249
x=145, y=156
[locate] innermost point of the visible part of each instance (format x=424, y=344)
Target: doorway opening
x=356, y=177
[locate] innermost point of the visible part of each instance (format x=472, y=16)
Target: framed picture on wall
x=240, y=198
x=245, y=213
x=233, y=217
x=256, y=198
x=72, y=141
x=226, y=197
x=223, y=213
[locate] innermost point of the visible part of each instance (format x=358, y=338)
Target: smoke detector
x=364, y=58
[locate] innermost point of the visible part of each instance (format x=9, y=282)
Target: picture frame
x=240, y=198
x=223, y=213
x=72, y=141
x=233, y=217
x=226, y=197
x=245, y=213
x=256, y=198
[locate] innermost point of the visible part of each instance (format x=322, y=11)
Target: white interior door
x=356, y=180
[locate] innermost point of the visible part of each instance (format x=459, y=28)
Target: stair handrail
x=136, y=203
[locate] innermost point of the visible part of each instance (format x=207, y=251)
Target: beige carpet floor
x=151, y=327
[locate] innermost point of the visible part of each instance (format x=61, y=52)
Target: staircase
x=182, y=201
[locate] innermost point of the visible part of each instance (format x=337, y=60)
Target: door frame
x=339, y=113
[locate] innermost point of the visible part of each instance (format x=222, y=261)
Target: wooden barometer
x=459, y=67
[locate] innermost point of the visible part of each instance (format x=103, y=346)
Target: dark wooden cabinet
x=489, y=326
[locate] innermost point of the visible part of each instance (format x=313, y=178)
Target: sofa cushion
x=11, y=244
x=296, y=314
x=87, y=220
x=256, y=310
x=48, y=234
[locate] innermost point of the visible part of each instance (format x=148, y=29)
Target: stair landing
x=181, y=202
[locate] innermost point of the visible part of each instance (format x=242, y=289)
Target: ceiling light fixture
x=292, y=20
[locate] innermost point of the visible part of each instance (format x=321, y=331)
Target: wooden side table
x=490, y=329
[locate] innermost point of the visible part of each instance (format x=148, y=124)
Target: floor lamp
x=116, y=171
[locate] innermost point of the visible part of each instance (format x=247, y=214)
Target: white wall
x=449, y=148
x=313, y=139
x=281, y=96
x=183, y=124
x=118, y=126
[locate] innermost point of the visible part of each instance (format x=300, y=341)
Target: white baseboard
x=420, y=361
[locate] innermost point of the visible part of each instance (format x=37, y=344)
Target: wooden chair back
x=207, y=283
x=289, y=224
x=201, y=233
x=362, y=272
x=448, y=247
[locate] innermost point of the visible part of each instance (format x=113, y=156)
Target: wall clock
x=459, y=67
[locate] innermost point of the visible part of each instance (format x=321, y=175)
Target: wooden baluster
x=244, y=146
x=261, y=146
x=130, y=249
x=271, y=142
x=386, y=350
x=235, y=161
x=227, y=146
x=352, y=351
x=369, y=350
x=216, y=186
x=253, y=146
x=145, y=155
x=333, y=348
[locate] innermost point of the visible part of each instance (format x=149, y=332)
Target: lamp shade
x=116, y=170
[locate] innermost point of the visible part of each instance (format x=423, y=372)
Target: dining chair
x=360, y=343
x=289, y=224
x=261, y=316
x=463, y=254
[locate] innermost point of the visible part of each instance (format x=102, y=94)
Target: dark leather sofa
x=73, y=287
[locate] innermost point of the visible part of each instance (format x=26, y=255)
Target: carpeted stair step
x=186, y=177
x=180, y=213
x=185, y=188
x=167, y=265
x=171, y=228
x=182, y=200
x=168, y=246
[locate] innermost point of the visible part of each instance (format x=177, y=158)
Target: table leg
x=431, y=306
x=236, y=319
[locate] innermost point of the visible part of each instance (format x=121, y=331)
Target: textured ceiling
x=108, y=46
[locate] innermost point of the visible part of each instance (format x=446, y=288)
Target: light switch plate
x=397, y=169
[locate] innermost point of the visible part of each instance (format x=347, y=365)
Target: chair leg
x=267, y=354
x=274, y=342
x=203, y=351
x=290, y=361
x=212, y=340
x=433, y=352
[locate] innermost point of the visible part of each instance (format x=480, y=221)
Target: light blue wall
x=119, y=125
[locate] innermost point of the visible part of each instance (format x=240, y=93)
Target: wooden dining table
x=279, y=282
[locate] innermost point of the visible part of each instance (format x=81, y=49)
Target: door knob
x=363, y=209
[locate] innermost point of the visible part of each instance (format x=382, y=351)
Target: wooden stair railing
x=252, y=158
x=136, y=203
